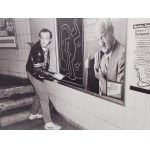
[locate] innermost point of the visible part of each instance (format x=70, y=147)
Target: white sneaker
x=52, y=126
x=36, y=116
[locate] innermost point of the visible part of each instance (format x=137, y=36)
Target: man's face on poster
x=105, y=41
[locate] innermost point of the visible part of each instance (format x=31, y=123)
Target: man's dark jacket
x=36, y=58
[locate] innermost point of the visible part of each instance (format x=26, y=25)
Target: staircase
x=16, y=98
x=15, y=104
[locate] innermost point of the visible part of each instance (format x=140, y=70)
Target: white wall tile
x=17, y=27
x=25, y=75
x=26, y=40
x=112, y=127
x=63, y=92
x=72, y=98
x=95, y=106
x=28, y=27
x=59, y=106
x=86, y=124
x=21, y=66
x=140, y=101
x=148, y=104
x=105, y=125
x=92, y=120
x=84, y=103
x=112, y=113
x=105, y=110
x=66, y=111
x=130, y=99
x=76, y=117
x=21, y=27
x=73, y=113
x=80, y=117
x=18, y=41
x=129, y=119
x=64, y=106
x=120, y=116
x=147, y=122
x=139, y=120
x=98, y=124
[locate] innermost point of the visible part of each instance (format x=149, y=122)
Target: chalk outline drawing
x=140, y=81
x=69, y=63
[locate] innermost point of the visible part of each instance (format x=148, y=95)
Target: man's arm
x=42, y=73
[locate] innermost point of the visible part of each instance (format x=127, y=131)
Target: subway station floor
x=7, y=82
x=38, y=124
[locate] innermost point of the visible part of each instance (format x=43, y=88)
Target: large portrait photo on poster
x=104, y=55
x=7, y=33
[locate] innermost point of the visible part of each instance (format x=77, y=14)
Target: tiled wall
x=12, y=61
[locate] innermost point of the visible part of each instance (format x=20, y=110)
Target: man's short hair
x=102, y=25
x=46, y=30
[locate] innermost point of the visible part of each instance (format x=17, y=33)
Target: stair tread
x=12, y=81
x=15, y=90
x=14, y=111
x=5, y=106
x=13, y=118
x=17, y=97
x=15, y=87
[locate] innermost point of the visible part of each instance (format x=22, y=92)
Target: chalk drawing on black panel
x=69, y=44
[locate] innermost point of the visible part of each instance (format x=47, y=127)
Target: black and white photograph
x=105, y=44
x=75, y=74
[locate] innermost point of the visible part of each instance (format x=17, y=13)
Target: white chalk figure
x=69, y=43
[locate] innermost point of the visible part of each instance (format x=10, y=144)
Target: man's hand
x=98, y=73
x=58, y=76
x=102, y=81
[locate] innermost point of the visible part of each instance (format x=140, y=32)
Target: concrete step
x=7, y=81
x=15, y=108
x=15, y=90
x=14, y=104
x=15, y=100
x=14, y=118
x=36, y=124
